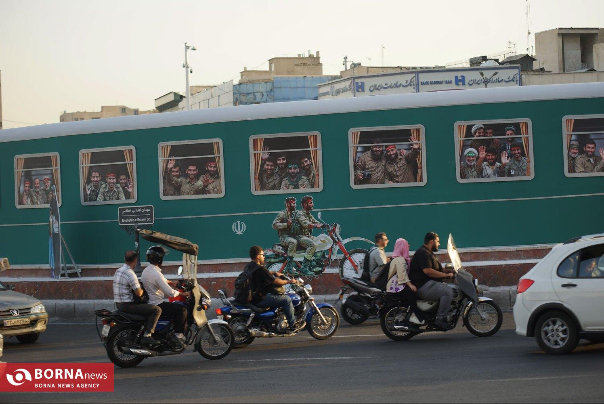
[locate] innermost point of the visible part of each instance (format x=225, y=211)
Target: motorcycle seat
x=255, y=309
x=362, y=286
x=130, y=316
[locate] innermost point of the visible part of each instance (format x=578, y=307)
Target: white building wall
x=218, y=96
x=572, y=52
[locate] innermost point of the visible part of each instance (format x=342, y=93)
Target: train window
x=108, y=176
x=35, y=177
x=286, y=163
x=191, y=169
x=384, y=157
x=497, y=150
x=583, y=145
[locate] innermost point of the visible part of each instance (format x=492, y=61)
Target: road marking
x=523, y=379
x=335, y=358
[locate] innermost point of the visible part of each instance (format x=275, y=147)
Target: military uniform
x=106, y=194
x=310, y=177
x=47, y=192
x=301, y=183
x=269, y=182
x=37, y=197
x=25, y=198
x=401, y=169
x=492, y=172
x=583, y=164
x=516, y=168
x=170, y=189
x=375, y=168
x=286, y=234
x=214, y=187
x=305, y=219
x=571, y=164
x=184, y=187
x=282, y=173
x=467, y=172
x=92, y=193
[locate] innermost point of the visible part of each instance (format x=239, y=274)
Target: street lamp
x=187, y=70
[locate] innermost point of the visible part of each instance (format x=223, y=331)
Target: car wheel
x=556, y=333
x=28, y=338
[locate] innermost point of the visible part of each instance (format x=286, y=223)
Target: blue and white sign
x=336, y=89
x=384, y=84
x=461, y=79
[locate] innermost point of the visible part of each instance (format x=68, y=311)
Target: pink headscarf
x=401, y=249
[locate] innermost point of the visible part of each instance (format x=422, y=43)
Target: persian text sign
x=336, y=89
x=385, y=84
x=56, y=377
x=454, y=79
x=135, y=215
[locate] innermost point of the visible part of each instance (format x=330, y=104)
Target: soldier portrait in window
x=35, y=174
x=108, y=176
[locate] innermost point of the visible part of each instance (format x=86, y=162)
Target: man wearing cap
x=468, y=169
x=94, y=187
x=269, y=179
x=587, y=162
x=491, y=168
x=399, y=169
x=112, y=190
x=286, y=225
x=46, y=187
x=37, y=195
x=573, y=152
x=294, y=180
x=307, y=222
x=211, y=179
x=308, y=171
x=187, y=186
x=25, y=196
x=516, y=166
x=170, y=189
x=370, y=166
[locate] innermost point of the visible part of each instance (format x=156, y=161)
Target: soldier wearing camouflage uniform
x=573, y=152
x=211, y=179
x=111, y=191
x=286, y=229
x=282, y=167
x=370, y=167
x=468, y=170
x=307, y=223
x=187, y=186
x=37, y=195
x=269, y=179
x=516, y=166
x=308, y=171
x=294, y=180
x=94, y=187
x=25, y=197
x=169, y=188
x=589, y=162
x=399, y=169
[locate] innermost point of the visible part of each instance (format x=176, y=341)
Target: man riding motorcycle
x=307, y=223
x=427, y=273
x=286, y=225
x=157, y=286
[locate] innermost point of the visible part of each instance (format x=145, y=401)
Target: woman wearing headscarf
x=399, y=286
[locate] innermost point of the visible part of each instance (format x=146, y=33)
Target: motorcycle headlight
x=38, y=308
x=308, y=289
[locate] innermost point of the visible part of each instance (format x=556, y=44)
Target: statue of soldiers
x=286, y=229
x=307, y=223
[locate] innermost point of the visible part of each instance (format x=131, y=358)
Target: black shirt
x=423, y=258
x=261, y=280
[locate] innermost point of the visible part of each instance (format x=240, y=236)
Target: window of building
x=191, y=169
x=384, y=157
x=108, y=176
x=76, y=119
x=498, y=150
x=286, y=163
x=37, y=177
x=136, y=112
x=583, y=145
x=123, y=110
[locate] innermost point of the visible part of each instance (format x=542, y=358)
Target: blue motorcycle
x=249, y=322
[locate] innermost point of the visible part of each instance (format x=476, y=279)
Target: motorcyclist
x=427, y=273
x=307, y=223
x=286, y=227
x=157, y=286
x=125, y=283
x=262, y=284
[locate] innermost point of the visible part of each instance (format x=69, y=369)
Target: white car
x=561, y=299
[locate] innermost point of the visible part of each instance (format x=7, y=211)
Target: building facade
x=564, y=50
x=111, y=111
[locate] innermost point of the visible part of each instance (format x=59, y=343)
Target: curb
x=83, y=310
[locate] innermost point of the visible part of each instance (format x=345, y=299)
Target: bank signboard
x=422, y=81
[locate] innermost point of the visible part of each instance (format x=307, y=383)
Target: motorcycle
x=248, y=321
x=481, y=315
x=328, y=243
x=121, y=332
x=367, y=301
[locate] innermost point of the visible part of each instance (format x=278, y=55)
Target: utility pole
x=528, y=27
x=187, y=70
x=383, y=47
x=345, y=62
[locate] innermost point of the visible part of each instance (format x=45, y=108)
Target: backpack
x=382, y=279
x=365, y=274
x=243, y=285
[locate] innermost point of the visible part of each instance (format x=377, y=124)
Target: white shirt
x=156, y=285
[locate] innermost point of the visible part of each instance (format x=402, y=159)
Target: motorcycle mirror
x=319, y=215
x=180, y=270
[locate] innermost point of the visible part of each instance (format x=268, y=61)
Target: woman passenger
x=399, y=286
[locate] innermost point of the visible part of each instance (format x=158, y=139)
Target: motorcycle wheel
x=350, y=315
x=323, y=331
x=117, y=340
x=241, y=332
x=387, y=320
x=218, y=348
x=346, y=268
x=487, y=326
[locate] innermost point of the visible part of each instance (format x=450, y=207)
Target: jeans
x=178, y=311
x=433, y=290
x=152, y=312
x=276, y=301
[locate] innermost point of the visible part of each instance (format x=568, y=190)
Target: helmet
x=155, y=254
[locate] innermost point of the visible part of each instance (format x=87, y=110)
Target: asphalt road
x=359, y=364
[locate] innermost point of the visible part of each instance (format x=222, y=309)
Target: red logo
x=55, y=377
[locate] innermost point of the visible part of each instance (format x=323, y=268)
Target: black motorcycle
x=367, y=301
x=481, y=315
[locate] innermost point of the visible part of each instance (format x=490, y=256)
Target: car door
x=579, y=283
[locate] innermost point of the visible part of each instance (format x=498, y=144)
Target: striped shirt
x=124, y=282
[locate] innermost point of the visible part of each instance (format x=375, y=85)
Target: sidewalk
x=83, y=310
